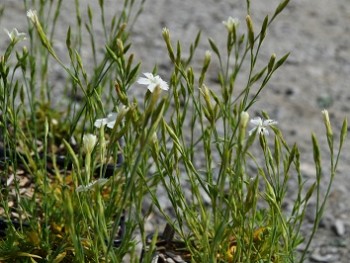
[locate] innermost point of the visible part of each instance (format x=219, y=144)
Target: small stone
x=24, y=181
x=318, y=257
x=308, y=169
x=10, y=180
x=310, y=212
x=339, y=227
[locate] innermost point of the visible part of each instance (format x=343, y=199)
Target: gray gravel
x=316, y=32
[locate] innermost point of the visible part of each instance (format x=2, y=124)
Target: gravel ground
x=316, y=76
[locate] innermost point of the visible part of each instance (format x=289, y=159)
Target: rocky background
x=316, y=75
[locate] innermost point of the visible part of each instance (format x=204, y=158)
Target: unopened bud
x=327, y=123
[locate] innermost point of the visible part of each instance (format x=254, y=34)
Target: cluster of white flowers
x=90, y=140
x=152, y=82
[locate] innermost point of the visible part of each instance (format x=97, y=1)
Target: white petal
x=100, y=122
x=18, y=34
x=264, y=131
x=111, y=124
x=9, y=33
x=251, y=131
x=163, y=85
x=90, y=186
x=151, y=87
x=269, y=122
x=149, y=75
x=143, y=81
x=81, y=188
x=256, y=121
x=112, y=116
x=102, y=181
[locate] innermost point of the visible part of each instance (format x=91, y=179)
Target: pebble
x=339, y=227
x=310, y=212
x=10, y=179
x=308, y=169
x=321, y=258
x=318, y=257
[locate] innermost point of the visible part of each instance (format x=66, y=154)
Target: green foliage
x=192, y=141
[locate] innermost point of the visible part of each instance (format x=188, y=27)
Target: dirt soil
x=316, y=76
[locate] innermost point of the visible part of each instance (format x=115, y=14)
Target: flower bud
x=89, y=142
x=327, y=122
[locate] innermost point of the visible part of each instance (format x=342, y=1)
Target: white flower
x=261, y=125
x=152, y=82
x=14, y=35
x=109, y=121
x=32, y=15
x=89, y=142
x=207, y=55
x=231, y=23
x=85, y=188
